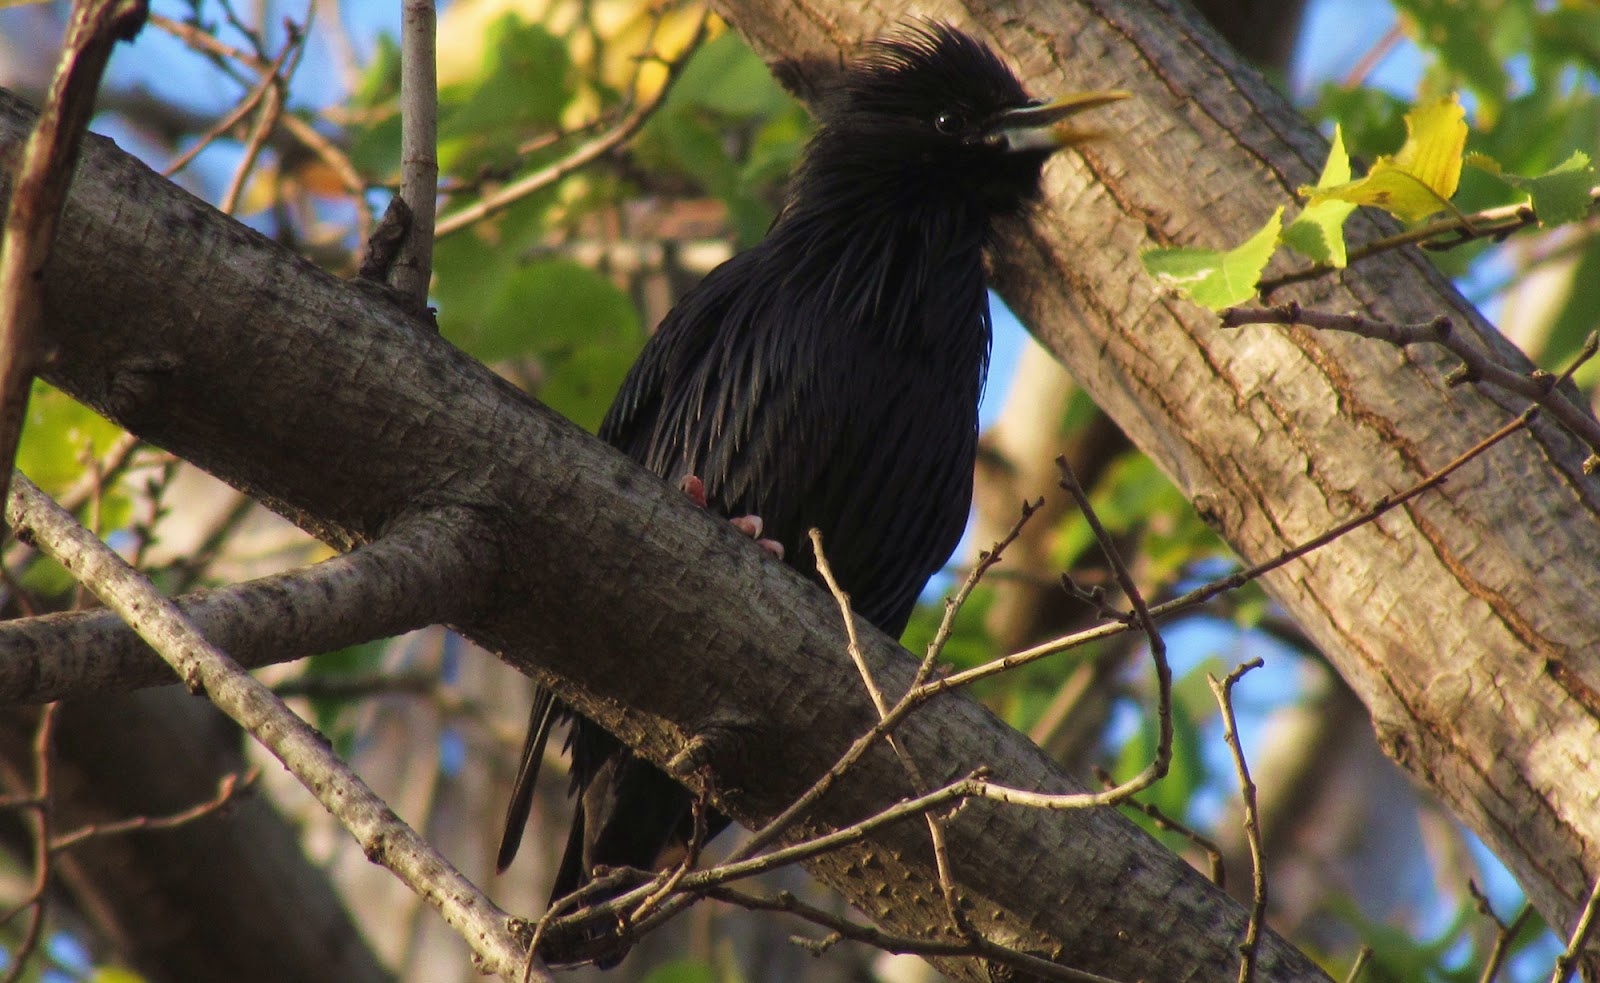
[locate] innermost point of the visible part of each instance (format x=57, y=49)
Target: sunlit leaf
x=1559, y=195
x=527, y=82
x=1213, y=278
x=1318, y=231
x=1420, y=178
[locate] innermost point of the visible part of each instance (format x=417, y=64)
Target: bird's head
x=929, y=107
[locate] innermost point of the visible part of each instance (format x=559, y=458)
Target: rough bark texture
x=334, y=406
x=1467, y=622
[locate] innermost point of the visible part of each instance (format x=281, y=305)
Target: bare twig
x=302, y=131
x=229, y=788
x=1447, y=233
x=1477, y=364
x=382, y=835
x=1157, y=769
x=1363, y=956
x=1373, y=56
x=1223, y=691
x=276, y=79
x=918, y=693
x=844, y=928
x=1216, y=868
x=1504, y=934
x=987, y=560
x=38, y=821
x=936, y=832
x=252, y=99
x=631, y=122
x=1579, y=939
x=419, y=152
x=39, y=190
x=1239, y=578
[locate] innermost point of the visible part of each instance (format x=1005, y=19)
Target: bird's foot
x=748, y=526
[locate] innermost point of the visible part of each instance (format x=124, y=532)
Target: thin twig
x=307, y=135
x=1491, y=223
x=1363, y=956
x=1223, y=691
x=1477, y=364
x=1504, y=935
x=39, y=822
x=1373, y=56
x=1568, y=960
x=936, y=832
x=1204, y=593
x=419, y=151
x=914, y=696
x=278, y=73
x=581, y=157
x=1214, y=860
x=41, y=177
x=1033, y=966
x=228, y=788
x=383, y=836
x=251, y=100
x=1157, y=769
x=987, y=559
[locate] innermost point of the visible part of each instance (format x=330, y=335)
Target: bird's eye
x=949, y=123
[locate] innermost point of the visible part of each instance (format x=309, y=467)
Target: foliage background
x=558, y=292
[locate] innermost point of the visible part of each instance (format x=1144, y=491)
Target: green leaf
x=550, y=306
x=527, y=81
x=1217, y=279
x=380, y=80
x=580, y=384
x=727, y=78
x=1318, y=231
x=682, y=971
x=1371, y=120
x=1559, y=195
x=58, y=430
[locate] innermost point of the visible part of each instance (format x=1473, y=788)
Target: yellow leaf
x=1421, y=177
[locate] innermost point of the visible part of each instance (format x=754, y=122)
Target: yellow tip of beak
x=1044, y=127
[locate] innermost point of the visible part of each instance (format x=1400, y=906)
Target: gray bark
x=343, y=413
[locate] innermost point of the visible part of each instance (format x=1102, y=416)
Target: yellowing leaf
x=1421, y=177
x=1318, y=231
x=1213, y=278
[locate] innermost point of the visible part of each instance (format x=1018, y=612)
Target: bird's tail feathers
x=540, y=719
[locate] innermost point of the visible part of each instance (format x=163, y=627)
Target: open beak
x=1046, y=126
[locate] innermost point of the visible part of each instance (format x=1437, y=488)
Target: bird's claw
x=749, y=526
x=691, y=485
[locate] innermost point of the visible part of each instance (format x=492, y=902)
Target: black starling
x=829, y=377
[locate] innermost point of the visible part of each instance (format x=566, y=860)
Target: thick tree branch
x=426, y=570
x=384, y=837
x=344, y=414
